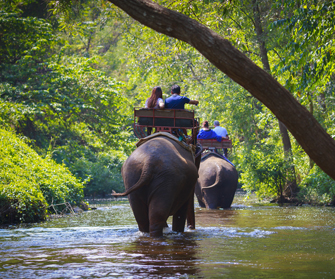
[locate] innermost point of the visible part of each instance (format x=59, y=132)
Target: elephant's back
x=160, y=164
x=213, y=166
x=160, y=156
x=163, y=147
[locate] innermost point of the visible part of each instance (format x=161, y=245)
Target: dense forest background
x=70, y=79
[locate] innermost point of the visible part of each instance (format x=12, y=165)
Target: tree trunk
x=283, y=130
x=220, y=52
x=311, y=110
x=266, y=66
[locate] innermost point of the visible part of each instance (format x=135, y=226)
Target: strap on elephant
x=207, y=155
x=189, y=147
x=198, y=151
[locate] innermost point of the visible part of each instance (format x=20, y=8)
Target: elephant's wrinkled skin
x=217, y=182
x=159, y=177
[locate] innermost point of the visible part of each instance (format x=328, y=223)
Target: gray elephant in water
x=159, y=177
x=217, y=182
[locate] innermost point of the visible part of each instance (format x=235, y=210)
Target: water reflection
x=208, y=217
x=172, y=256
x=244, y=242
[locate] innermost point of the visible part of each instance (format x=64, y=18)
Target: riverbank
x=29, y=184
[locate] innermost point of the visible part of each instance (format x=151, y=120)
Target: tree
x=261, y=37
x=220, y=52
x=68, y=109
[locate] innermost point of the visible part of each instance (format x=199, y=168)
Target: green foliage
x=56, y=84
x=149, y=59
x=69, y=109
x=24, y=38
x=264, y=170
x=305, y=46
x=104, y=173
x=28, y=183
x=317, y=188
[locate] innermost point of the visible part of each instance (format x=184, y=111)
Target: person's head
x=155, y=94
x=216, y=123
x=205, y=124
x=175, y=89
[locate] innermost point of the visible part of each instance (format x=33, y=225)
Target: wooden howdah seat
x=164, y=120
x=213, y=144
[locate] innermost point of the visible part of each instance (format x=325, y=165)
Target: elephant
x=217, y=182
x=159, y=178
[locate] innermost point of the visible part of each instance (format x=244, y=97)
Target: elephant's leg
x=212, y=197
x=190, y=213
x=201, y=203
x=199, y=194
x=140, y=211
x=157, y=224
x=228, y=191
x=179, y=218
x=228, y=197
x=158, y=215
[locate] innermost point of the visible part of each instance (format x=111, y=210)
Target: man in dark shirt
x=176, y=101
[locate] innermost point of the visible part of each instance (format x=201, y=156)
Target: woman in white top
x=155, y=101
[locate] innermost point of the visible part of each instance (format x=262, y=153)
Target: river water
x=248, y=241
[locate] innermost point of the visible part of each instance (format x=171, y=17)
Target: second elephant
x=217, y=182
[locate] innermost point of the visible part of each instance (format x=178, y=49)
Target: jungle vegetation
x=71, y=75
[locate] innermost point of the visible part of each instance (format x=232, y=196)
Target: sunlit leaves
x=24, y=38
x=28, y=182
x=48, y=95
x=309, y=51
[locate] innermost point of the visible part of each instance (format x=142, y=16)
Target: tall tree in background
x=238, y=67
x=261, y=38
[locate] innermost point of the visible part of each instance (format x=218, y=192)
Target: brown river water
x=250, y=240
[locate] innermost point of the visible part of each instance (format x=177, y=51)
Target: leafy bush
x=21, y=200
x=67, y=108
x=317, y=188
x=264, y=170
x=28, y=183
x=24, y=38
x=105, y=173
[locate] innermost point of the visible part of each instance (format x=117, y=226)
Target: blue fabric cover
x=208, y=134
x=176, y=102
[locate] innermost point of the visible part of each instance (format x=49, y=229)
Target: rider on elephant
x=176, y=101
x=221, y=131
x=206, y=133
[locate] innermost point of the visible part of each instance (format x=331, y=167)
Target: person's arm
x=218, y=138
x=215, y=136
x=194, y=102
x=161, y=104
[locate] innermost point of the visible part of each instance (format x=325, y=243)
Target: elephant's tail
x=145, y=178
x=217, y=181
